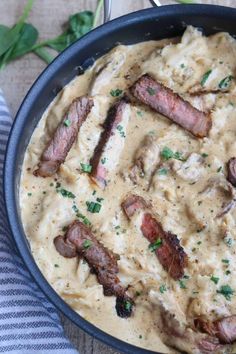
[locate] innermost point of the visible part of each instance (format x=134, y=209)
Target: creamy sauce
x=187, y=197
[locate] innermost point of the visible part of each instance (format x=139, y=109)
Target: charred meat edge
x=163, y=100
x=169, y=253
x=224, y=329
x=65, y=135
x=114, y=118
x=79, y=240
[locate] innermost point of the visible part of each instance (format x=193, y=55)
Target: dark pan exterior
x=167, y=21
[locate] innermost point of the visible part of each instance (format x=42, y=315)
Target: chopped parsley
x=228, y=241
x=215, y=279
x=64, y=229
x=128, y=305
x=228, y=272
x=226, y=291
x=219, y=169
x=87, y=244
x=86, y=167
x=162, y=288
x=226, y=261
x=162, y=172
x=116, y=93
x=67, y=123
x=151, y=91
x=204, y=155
x=199, y=242
x=155, y=245
x=56, y=265
x=65, y=193
x=167, y=154
x=51, y=184
x=182, y=284
x=93, y=207
x=138, y=293
x=182, y=66
x=205, y=77
x=224, y=84
x=121, y=131
x=103, y=160
x=29, y=194
x=140, y=113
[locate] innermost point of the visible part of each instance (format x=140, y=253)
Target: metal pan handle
x=108, y=4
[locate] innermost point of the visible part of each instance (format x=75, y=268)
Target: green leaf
x=43, y=54
x=79, y=24
x=225, y=83
x=11, y=36
x=226, y=291
x=3, y=30
x=27, y=39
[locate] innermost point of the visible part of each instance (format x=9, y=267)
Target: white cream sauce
x=176, y=196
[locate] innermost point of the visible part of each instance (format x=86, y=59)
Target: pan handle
x=108, y=4
x=107, y=10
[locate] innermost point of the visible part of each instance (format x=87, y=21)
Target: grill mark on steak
x=65, y=135
x=79, y=240
x=224, y=329
x=170, y=253
x=100, y=161
x=163, y=100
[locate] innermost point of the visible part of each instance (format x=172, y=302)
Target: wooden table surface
x=16, y=79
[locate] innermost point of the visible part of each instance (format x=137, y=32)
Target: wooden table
x=16, y=79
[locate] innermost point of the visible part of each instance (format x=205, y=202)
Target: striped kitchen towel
x=29, y=324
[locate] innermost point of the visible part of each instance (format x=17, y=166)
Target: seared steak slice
x=165, y=101
x=165, y=244
x=57, y=149
x=102, y=262
x=224, y=329
x=231, y=165
x=107, y=153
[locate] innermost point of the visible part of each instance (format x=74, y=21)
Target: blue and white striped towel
x=29, y=324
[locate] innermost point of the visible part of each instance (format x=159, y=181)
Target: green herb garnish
x=162, y=172
x=116, y=92
x=93, y=207
x=67, y=123
x=151, y=91
x=224, y=84
x=29, y=194
x=56, y=265
x=204, y=155
x=87, y=244
x=162, y=288
x=128, y=305
x=155, y=245
x=205, y=77
x=121, y=130
x=219, y=169
x=182, y=284
x=226, y=261
x=65, y=193
x=86, y=167
x=215, y=279
x=226, y=291
x=167, y=154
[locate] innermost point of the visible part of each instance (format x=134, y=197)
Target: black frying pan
x=167, y=21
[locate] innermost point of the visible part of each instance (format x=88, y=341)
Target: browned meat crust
x=114, y=118
x=224, y=329
x=231, y=165
x=165, y=101
x=169, y=252
x=102, y=262
x=56, y=151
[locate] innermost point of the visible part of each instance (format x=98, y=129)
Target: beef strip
x=80, y=239
x=231, y=165
x=56, y=151
x=165, y=101
x=107, y=152
x=169, y=253
x=185, y=339
x=224, y=329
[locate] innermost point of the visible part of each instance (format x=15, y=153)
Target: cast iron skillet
x=167, y=21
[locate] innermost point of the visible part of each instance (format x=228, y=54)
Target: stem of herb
x=97, y=13
x=43, y=54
